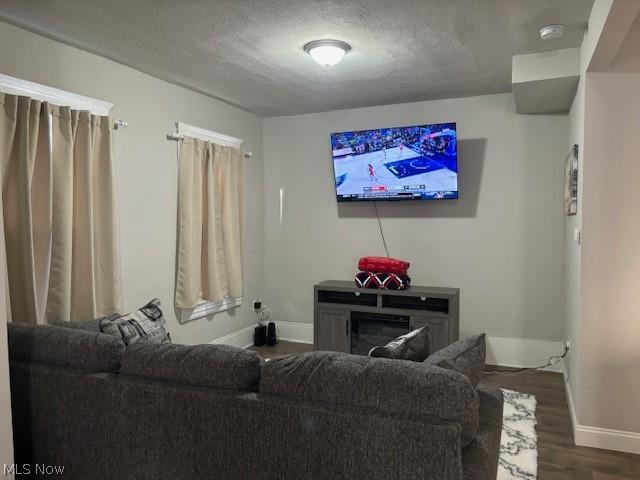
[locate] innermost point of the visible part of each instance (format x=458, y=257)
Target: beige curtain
x=85, y=272
x=25, y=170
x=59, y=212
x=210, y=206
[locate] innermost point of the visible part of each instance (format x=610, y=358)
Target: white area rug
x=519, y=442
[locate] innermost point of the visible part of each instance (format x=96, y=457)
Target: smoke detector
x=551, y=31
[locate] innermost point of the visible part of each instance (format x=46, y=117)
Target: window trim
x=209, y=308
x=208, y=135
x=17, y=86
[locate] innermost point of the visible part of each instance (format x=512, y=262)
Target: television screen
x=401, y=163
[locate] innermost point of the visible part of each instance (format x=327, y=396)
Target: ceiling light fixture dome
x=327, y=52
x=550, y=32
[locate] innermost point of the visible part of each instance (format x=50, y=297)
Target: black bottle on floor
x=260, y=335
x=272, y=339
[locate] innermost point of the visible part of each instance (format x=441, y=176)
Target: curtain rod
x=179, y=136
x=170, y=136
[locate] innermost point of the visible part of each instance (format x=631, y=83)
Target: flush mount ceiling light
x=327, y=52
x=551, y=31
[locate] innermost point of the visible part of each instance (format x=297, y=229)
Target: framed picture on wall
x=571, y=182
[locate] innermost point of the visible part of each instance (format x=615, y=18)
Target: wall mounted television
x=418, y=162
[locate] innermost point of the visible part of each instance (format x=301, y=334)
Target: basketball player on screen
x=401, y=149
x=372, y=173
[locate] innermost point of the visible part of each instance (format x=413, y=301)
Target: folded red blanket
x=383, y=264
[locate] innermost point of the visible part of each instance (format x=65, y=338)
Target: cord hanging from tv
x=398, y=163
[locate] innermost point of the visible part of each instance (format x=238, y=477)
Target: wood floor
x=558, y=457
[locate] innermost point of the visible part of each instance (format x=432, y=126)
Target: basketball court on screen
x=395, y=168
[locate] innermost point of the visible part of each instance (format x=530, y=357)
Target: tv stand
x=335, y=301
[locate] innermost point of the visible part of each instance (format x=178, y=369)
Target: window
x=210, y=199
x=66, y=140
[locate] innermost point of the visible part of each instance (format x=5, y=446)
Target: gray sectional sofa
x=83, y=400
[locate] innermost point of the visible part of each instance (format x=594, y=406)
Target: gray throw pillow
x=466, y=356
x=412, y=346
x=147, y=324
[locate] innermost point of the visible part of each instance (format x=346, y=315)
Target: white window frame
x=55, y=96
x=208, y=135
x=208, y=308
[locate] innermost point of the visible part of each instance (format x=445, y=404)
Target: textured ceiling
x=249, y=52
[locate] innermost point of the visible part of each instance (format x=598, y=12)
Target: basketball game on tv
x=401, y=163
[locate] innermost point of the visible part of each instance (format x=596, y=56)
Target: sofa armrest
x=480, y=457
x=64, y=347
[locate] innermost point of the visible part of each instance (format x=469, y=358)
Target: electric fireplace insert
x=370, y=330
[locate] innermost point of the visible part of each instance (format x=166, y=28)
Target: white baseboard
x=295, y=332
x=507, y=352
x=597, y=437
x=522, y=352
x=570, y=404
x=242, y=338
x=287, y=331
x=607, y=439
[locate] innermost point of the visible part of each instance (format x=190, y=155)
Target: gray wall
x=610, y=331
x=572, y=249
x=147, y=168
x=602, y=274
x=501, y=242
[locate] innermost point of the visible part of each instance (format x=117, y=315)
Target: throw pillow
x=147, y=324
x=383, y=281
x=466, y=356
x=412, y=346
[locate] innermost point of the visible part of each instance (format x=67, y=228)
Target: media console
x=351, y=319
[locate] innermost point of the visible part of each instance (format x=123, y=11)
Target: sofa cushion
x=412, y=346
x=379, y=385
x=466, y=356
x=218, y=366
x=92, y=325
x=147, y=324
x=64, y=347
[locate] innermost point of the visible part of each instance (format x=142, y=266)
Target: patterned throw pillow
x=382, y=281
x=147, y=324
x=412, y=346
